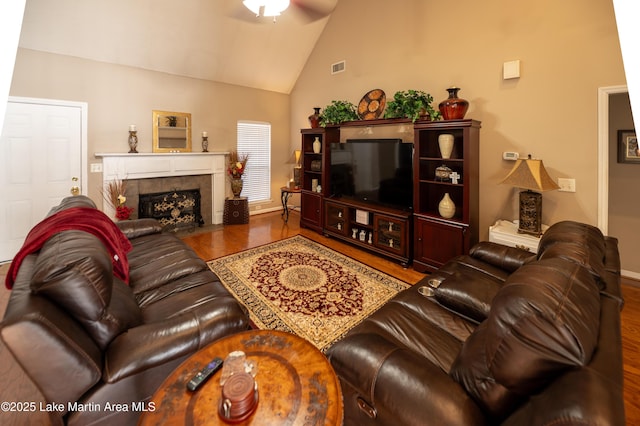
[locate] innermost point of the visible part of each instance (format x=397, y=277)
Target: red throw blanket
x=84, y=219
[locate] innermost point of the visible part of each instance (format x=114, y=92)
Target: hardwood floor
x=263, y=229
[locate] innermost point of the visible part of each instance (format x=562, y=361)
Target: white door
x=41, y=151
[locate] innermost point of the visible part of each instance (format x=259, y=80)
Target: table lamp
x=531, y=175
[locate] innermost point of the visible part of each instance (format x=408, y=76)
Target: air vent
x=338, y=67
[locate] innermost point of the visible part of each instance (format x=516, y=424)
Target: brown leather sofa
x=499, y=336
x=84, y=336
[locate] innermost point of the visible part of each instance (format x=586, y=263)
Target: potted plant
x=172, y=120
x=114, y=195
x=411, y=104
x=338, y=112
x=235, y=170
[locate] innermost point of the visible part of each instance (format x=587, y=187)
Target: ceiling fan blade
x=308, y=12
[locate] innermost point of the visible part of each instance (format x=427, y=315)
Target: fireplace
x=175, y=210
x=139, y=188
x=150, y=173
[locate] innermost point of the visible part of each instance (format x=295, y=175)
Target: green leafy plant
x=172, y=120
x=411, y=104
x=338, y=112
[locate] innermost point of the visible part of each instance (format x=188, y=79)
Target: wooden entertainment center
x=422, y=236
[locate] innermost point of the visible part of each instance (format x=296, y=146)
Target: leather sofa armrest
x=139, y=227
x=501, y=256
x=379, y=371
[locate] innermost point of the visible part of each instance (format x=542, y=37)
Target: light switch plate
x=567, y=185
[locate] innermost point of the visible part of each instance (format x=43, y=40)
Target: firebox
x=175, y=210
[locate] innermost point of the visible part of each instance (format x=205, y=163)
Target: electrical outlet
x=567, y=185
x=96, y=167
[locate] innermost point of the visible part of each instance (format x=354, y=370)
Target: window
x=254, y=138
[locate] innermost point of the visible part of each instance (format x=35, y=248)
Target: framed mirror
x=171, y=131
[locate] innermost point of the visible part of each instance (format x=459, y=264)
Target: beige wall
x=624, y=190
x=119, y=96
x=567, y=50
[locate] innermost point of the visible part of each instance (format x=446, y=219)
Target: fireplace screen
x=175, y=210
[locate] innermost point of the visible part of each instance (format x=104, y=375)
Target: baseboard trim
x=261, y=211
x=631, y=275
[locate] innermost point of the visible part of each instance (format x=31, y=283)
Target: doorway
x=43, y=153
x=617, y=192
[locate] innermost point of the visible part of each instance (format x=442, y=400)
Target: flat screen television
x=376, y=171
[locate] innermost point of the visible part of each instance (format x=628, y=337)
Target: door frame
x=603, y=153
x=84, y=108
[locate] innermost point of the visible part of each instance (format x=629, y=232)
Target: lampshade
x=266, y=7
x=530, y=174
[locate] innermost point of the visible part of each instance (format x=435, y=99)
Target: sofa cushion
x=75, y=271
x=468, y=293
x=122, y=314
x=578, y=242
x=159, y=259
x=543, y=321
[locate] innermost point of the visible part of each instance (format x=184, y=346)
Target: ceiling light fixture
x=266, y=7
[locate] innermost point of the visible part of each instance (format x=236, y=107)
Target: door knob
x=75, y=189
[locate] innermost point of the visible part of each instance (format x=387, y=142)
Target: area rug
x=302, y=287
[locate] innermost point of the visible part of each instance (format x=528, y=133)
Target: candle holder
x=133, y=141
x=205, y=144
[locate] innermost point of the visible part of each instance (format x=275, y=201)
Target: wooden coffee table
x=296, y=384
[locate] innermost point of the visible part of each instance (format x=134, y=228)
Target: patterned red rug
x=302, y=287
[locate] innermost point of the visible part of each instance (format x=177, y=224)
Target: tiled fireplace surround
x=152, y=173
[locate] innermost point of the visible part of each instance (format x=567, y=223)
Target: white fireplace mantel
x=156, y=165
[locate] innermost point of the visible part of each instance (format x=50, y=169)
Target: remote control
x=204, y=374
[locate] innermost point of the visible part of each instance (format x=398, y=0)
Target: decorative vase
x=316, y=145
x=445, y=141
x=453, y=108
x=446, y=207
x=314, y=119
x=133, y=141
x=205, y=144
x=236, y=186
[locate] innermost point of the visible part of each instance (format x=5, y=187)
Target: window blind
x=254, y=138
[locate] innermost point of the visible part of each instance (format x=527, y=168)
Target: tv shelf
x=423, y=236
x=380, y=229
x=436, y=238
x=315, y=172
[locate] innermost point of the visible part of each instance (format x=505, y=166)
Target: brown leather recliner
x=502, y=337
x=87, y=339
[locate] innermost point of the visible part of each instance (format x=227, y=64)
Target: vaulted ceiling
x=218, y=40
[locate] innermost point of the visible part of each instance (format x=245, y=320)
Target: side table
x=236, y=211
x=506, y=232
x=296, y=384
x=285, y=193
